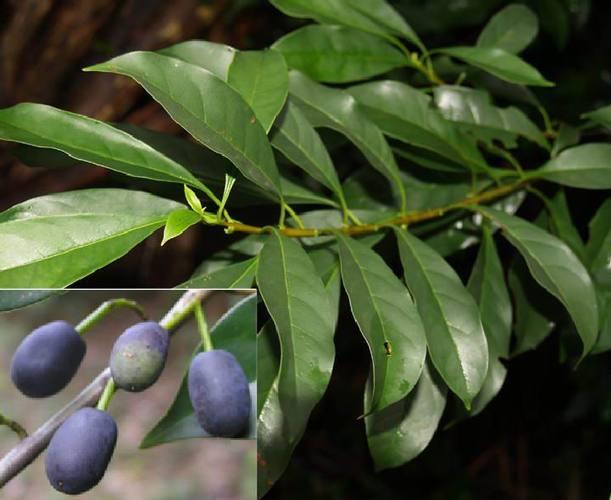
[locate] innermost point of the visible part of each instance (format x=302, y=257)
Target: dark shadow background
x=546, y=436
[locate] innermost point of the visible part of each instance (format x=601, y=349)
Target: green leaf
x=377, y=17
x=296, y=139
x=598, y=256
x=533, y=321
x=601, y=116
x=455, y=335
x=407, y=114
x=498, y=62
x=511, y=29
x=90, y=140
x=235, y=332
x=178, y=222
x=268, y=363
x=562, y=224
x=388, y=320
x=238, y=275
x=271, y=444
x=261, y=78
x=587, y=166
x=335, y=54
x=403, y=430
x=475, y=112
x=16, y=299
x=599, y=241
x=297, y=302
x=193, y=201
x=493, y=383
x=487, y=285
x=336, y=109
x=215, y=57
x=55, y=240
x=556, y=268
x=205, y=106
x=567, y=136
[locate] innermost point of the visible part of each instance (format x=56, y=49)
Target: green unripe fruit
x=139, y=355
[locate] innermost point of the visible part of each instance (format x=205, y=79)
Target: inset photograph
x=146, y=394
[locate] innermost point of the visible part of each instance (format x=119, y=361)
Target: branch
x=30, y=447
x=401, y=220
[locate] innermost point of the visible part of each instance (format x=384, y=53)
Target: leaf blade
x=455, y=335
x=52, y=241
x=209, y=109
x=388, y=320
x=500, y=63
x=335, y=54
x=556, y=268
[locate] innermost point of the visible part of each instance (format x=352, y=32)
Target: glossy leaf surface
x=388, y=320
x=55, y=240
x=455, y=335
x=556, y=268
x=208, y=108
x=335, y=54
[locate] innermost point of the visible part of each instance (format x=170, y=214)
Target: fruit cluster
x=80, y=450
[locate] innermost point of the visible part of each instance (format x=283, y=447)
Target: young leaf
x=55, y=240
x=261, y=78
x=377, y=17
x=388, y=320
x=587, y=166
x=455, y=335
x=556, y=268
x=235, y=332
x=215, y=57
x=338, y=110
x=335, y=54
x=237, y=275
x=498, y=62
x=193, y=201
x=476, y=113
x=406, y=114
x=178, y=222
x=208, y=108
x=296, y=139
x=92, y=141
x=296, y=300
x=511, y=29
x=602, y=116
x=403, y=430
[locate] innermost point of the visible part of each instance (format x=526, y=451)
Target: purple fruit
x=80, y=451
x=218, y=389
x=47, y=359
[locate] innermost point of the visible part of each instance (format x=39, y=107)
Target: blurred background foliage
x=547, y=434
x=183, y=470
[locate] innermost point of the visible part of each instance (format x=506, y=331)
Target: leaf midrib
x=80, y=247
